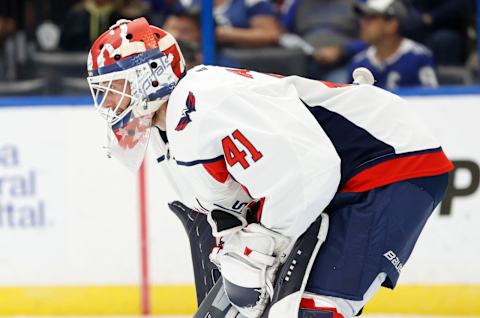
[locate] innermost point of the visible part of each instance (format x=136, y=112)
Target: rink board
x=180, y=299
x=69, y=224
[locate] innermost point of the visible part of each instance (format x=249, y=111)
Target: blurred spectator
x=474, y=64
x=246, y=23
x=48, y=35
x=242, y=23
x=161, y=9
x=322, y=23
x=7, y=48
x=442, y=26
x=191, y=53
x=85, y=22
x=184, y=26
x=330, y=27
x=132, y=9
x=395, y=61
x=7, y=29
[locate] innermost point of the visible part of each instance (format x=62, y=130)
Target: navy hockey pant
x=372, y=232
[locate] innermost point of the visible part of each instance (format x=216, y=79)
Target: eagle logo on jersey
x=190, y=107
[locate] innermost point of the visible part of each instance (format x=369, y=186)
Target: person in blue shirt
x=242, y=23
x=246, y=23
x=330, y=28
x=394, y=60
x=443, y=26
x=185, y=27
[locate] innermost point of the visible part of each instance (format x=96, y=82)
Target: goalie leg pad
x=343, y=306
x=241, y=296
x=318, y=313
x=201, y=244
x=287, y=295
x=292, y=277
x=318, y=307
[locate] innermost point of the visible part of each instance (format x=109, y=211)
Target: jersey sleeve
x=426, y=71
x=259, y=8
x=276, y=150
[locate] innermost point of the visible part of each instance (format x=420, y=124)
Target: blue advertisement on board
x=21, y=206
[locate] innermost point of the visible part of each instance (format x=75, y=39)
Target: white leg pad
x=348, y=308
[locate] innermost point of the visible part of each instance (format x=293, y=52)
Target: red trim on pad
x=399, y=169
x=309, y=303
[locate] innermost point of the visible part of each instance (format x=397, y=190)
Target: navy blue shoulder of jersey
x=360, y=152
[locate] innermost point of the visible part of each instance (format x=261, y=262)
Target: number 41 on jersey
x=233, y=155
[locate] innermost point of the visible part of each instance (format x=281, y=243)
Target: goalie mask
x=133, y=67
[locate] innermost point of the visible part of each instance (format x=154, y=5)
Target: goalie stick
x=289, y=285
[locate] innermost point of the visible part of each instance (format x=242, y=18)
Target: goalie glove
x=226, y=222
x=249, y=260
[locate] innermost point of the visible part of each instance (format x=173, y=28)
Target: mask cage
x=103, y=87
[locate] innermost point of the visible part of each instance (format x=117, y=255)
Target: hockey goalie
x=302, y=198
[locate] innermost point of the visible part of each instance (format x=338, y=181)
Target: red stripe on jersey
x=333, y=85
x=260, y=210
x=309, y=303
x=217, y=169
x=275, y=75
x=244, y=73
x=399, y=169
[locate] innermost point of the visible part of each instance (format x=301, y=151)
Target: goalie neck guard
x=133, y=67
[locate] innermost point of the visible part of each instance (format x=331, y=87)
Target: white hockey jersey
x=234, y=136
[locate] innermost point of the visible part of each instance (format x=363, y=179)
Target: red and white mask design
x=133, y=67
